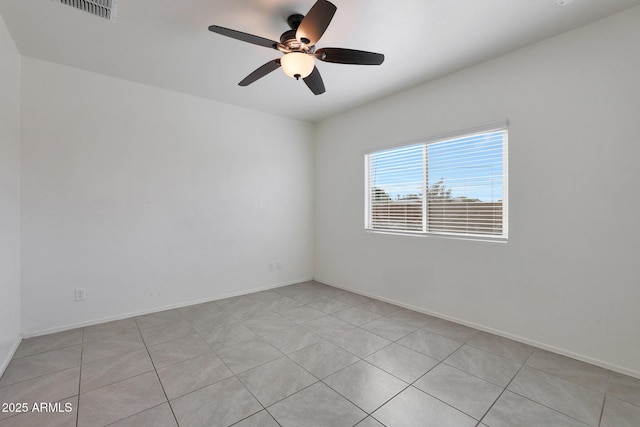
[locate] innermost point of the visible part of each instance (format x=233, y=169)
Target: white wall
x=568, y=279
x=9, y=196
x=149, y=198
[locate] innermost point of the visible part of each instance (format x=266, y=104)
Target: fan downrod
x=294, y=21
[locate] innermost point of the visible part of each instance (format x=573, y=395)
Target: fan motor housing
x=288, y=38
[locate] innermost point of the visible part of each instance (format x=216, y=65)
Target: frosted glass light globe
x=297, y=64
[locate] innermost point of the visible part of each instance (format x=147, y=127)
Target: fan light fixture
x=297, y=65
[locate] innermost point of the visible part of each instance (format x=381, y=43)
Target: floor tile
x=433, y=345
x=192, y=374
x=276, y=380
x=504, y=347
x=323, y=359
x=226, y=336
x=329, y=291
x=327, y=326
x=293, y=339
x=235, y=302
x=353, y=298
x=158, y=319
x=168, y=332
x=249, y=312
x=158, y=416
x=233, y=403
x=64, y=415
x=269, y=324
x=41, y=364
x=308, y=297
x=282, y=304
x=330, y=305
x=175, y=351
x=316, y=406
x=369, y=422
x=570, y=369
x=576, y=401
x=463, y=391
x=380, y=307
x=31, y=346
x=411, y=317
x=389, y=328
x=488, y=366
x=289, y=289
x=111, y=346
x=267, y=296
x=47, y=388
x=302, y=314
x=451, y=330
x=512, y=410
x=620, y=414
x=249, y=354
x=356, y=316
x=204, y=323
x=401, y=347
x=414, y=408
x=196, y=311
x=120, y=400
x=624, y=388
x=365, y=385
x=402, y=362
x=360, y=342
x=114, y=369
x=109, y=329
x=261, y=419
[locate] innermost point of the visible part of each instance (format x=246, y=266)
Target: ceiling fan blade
x=239, y=35
x=314, y=82
x=349, y=56
x=260, y=72
x=315, y=22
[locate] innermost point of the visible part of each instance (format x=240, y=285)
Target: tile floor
x=304, y=355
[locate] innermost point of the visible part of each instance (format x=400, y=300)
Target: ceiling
x=165, y=43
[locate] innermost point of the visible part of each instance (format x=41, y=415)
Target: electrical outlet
x=80, y=294
x=278, y=266
x=271, y=267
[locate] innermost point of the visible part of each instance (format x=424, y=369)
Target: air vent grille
x=103, y=8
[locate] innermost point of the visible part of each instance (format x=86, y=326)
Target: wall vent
x=102, y=8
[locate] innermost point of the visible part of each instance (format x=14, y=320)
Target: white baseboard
x=541, y=345
x=30, y=334
x=12, y=351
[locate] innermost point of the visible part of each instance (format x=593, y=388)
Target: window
x=454, y=186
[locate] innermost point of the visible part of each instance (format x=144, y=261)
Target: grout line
x=358, y=406
x=137, y=413
x=528, y=398
x=604, y=401
x=47, y=373
x=558, y=377
x=550, y=408
x=233, y=374
x=158, y=377
x=442, y=362
x=80, y=378
x=507, y=386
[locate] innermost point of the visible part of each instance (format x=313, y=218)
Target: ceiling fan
x=298, y=46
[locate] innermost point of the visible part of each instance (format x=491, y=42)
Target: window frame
x=425, y=142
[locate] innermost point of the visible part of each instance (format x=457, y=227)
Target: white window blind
x=453, y=186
